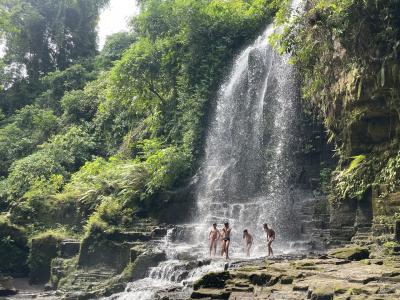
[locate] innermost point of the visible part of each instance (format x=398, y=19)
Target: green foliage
x=166, y=167
x=140, y=105
x=170, y=73
x=63, y=154
x=347, y=55
x=49, y=34
x=390, y=173
x=357, y=160
x=341, y=48
x=57, y=83
x=124, y=180
x=353, y=181
x=13, y=248
x=28, y=128
x=82, y=105
x=113, y=49
x=325, y=179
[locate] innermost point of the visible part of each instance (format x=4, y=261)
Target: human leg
x=227, y=249
x=248, y=247
x=215, y=247
x=270, y=252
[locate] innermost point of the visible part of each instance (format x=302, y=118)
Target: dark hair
x=226, y=224
x=265, y=225
x=245, y=231
x=214, y=224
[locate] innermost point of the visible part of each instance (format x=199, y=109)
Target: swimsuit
x=227, y=235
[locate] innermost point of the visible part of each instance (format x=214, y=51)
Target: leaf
x=357, y=160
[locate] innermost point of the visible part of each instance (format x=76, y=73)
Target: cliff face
x=346, y=52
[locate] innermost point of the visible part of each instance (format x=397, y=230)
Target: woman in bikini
x=226, y=239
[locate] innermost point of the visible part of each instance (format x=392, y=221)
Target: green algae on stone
x=13, y=249
x=350, y=253
x=44, y=249
x=212, y=280
x=322, y=292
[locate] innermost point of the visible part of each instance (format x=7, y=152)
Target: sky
x=115, y=17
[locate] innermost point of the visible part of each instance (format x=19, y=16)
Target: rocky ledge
x=341, y=274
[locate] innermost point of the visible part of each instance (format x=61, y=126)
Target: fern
x=357, y=160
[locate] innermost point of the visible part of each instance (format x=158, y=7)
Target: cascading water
x=247, y=171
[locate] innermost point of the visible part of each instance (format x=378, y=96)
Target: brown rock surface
x=311, y=278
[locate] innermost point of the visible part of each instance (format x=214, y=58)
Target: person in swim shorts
x=270, y=238
x=226, y=239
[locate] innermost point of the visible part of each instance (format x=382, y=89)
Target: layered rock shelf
x=324, y=277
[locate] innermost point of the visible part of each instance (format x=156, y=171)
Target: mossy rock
x=44, y=249
x=207, y=293
x=350, y=253
x=99, y=248
x=60, y=268
x=304, y=265
x=322, y=293
x=212, y=280
x=287, y=280
x=14, y=250
x=144, y=262
x=259, y=278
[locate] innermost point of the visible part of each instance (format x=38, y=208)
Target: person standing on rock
x=213, y=238
x=226, y=239
x=270, y=238
x=248, y=240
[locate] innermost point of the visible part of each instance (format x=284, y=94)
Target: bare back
x=270, y=234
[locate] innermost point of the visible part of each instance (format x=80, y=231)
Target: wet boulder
x=144, y=262
x=136, y=251
x=159, y=232
x=212, y=280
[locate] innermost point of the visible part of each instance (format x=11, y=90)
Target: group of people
x=224, y=235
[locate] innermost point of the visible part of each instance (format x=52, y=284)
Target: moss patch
x=13, y=249
x=350, y=253
x=212, y=280
x=43, y=249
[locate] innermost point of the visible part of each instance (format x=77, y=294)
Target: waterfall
x=249, y=168
x=247, y=173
